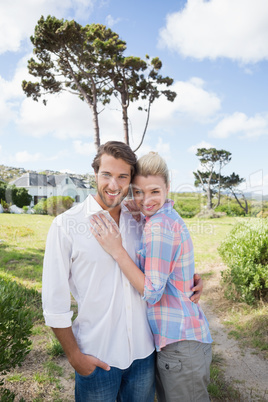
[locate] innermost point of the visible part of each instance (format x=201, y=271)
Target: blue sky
x=215, y=50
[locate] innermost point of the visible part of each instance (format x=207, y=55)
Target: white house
x=44, y=186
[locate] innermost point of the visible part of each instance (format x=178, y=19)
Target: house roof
x=36, y=179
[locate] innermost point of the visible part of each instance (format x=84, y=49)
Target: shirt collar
x=92, y=206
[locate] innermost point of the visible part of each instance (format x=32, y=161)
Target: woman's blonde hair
x=152, y=164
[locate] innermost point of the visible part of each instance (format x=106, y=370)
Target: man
x=109, y=344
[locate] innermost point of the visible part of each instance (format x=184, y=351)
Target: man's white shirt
x=112, y=321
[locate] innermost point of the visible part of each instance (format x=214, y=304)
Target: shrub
x=53, y=205
x=18, y=306
x=58, y=204
x=41, y=207
x=17, y=195
x=245, y=252
x=231, y=209
x=5, y=206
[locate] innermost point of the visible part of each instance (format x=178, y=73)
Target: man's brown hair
x=118, y=150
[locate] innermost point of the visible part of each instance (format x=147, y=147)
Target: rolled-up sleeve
x=56, y=298
x=161, y=253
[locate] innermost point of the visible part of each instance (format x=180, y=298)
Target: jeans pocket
x=94, y=372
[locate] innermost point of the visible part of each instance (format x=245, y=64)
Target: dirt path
x=244, y=369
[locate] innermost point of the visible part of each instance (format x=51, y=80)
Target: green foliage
x=53, y=205
x=89, y=62
x=5, y=206
x=55, y=349
x=3, y=187
x=15, y=195
x=245, y=252
x=231, y=209
x=58, y=204
x=16, y=321
x=187, y=204
x=41, y=207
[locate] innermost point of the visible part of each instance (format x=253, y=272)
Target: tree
x=209, y=179
x=72, y=58
x=89, y=62
x=134, y=79
x=231, y=183
x=18, y=196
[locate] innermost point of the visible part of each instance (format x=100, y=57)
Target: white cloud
x=65, y=116
x=110, y=21
x=236, y=29
x=240, y=123
x=25, y=156
x=86, y=148
x=193, y=102
x=18, y=18
x=202, y=144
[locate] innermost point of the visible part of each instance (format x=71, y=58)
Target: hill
x=9, y=173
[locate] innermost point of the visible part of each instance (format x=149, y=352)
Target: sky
x=215, y=50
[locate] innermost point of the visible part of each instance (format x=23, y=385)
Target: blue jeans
x=134, y=384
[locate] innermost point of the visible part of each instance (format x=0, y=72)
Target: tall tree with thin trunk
x=232, y=183
x=209, y=179
x=69, y=57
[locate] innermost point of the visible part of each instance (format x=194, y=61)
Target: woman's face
x=150, y=193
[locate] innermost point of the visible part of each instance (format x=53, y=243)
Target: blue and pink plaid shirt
x=167, y=259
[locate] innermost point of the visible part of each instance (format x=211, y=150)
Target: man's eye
x=155, y=192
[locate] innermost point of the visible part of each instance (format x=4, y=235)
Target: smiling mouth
x=113, y=194
x=148, y=208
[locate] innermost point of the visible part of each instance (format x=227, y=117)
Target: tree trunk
x=96, y=127
x=209, y=198
x=125, y=124
x=245, y=208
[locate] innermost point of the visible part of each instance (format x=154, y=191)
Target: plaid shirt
x=167, y=259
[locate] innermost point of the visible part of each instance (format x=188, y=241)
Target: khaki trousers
x=183, y=372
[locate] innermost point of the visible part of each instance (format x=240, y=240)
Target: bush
x=17, y=310
x=231, y=209
x=58, y=204
x=18, y=196
x=245, y=252
x=53, y=205
x=41, y=207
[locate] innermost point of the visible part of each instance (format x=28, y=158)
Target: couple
x=113, y=264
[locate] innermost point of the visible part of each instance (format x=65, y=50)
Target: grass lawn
x=22, y=244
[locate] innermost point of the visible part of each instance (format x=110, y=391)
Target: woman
x=164, y=278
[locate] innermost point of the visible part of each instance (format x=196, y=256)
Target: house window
x=77, y=198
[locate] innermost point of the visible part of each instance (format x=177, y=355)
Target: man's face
x=113, y=179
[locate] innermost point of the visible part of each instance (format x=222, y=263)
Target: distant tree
x=18, y=196
x=212, y=161
x=3, y=187
x=231, y=183
x=89, y=62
